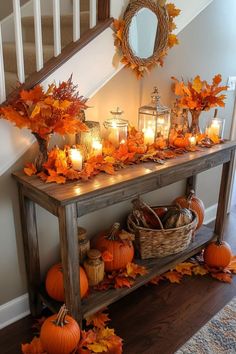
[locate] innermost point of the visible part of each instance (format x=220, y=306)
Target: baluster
x=76, y=20
x=57, y=27
x=2, y=72
x=19, y=41
x=93, y=13
x=38, y=35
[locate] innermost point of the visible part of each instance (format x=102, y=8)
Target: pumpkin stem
x=190, y=197
x=114, y=232
x=61, y=317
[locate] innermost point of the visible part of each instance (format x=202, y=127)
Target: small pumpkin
x=177, y=217
x=60, y=333
x=136, y=147
x=54, y=283
x=122, y=251
x=181, y=142
x=217, y=254
x=193, y=203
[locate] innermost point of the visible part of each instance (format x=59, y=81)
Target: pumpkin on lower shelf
x=177, y=217
x=54, y=283
x=60, y=334
x=122, y=250
x=217, y=254
x=193, y=203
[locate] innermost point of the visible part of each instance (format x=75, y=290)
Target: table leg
x=224, y=197
x=31, y=250
x=191, y=184
x=70, y=259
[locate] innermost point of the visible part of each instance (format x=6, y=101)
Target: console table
x=74, y=199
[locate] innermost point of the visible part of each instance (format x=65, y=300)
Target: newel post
x=103, y=10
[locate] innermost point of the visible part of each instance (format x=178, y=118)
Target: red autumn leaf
x=156, y=280
x=30, y=169
x=35, y=347
x=107, y=256
x=221, y=276
x=122, y=282
x=173, y=277
x=98, y=320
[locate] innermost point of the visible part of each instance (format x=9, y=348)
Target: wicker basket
x=152, y=243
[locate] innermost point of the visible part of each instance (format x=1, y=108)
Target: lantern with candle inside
x=117, y=128
x=215, y=128
x=87, y=138
x=154, y=119
x=96, y=148
x=76, y=158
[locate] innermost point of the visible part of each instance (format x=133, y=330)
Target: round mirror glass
x=143, y=32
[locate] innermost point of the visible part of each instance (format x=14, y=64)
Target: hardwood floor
x=153, y=319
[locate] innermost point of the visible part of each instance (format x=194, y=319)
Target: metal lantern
x=117, y=128
x=154, y=119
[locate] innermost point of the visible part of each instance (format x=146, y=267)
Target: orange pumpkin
x=217, y=254
x=193, y=203
x=136, y=147
x=60, y=334
x=54, y=283
x=122, y=251
x=181, y=142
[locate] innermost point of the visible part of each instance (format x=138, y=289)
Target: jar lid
x=116, y=121
x=155, y=107
x=82, y=233
x=94, y=254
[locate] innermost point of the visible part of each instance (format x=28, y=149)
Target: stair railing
x=99, y=11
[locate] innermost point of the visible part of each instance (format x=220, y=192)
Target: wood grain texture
x=103, y=10
x=56, y=62
x=31, y=251
x=99, y=300
x=226, y=178
x=106, y=190
x=70, y=259
x=153, y=319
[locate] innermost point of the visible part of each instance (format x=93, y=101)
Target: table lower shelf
x=156, y=266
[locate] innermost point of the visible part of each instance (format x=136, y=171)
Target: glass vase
x=195, y=128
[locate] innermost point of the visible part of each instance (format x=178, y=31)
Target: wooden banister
x=103, y=10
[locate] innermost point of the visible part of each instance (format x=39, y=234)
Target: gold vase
x=195, y=128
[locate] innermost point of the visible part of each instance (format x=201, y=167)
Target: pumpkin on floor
x=60, y=333
x=54, y=283
x=193, y=203
x=217, y=254
x=122, y=251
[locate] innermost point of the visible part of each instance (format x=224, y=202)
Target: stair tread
x=48, y=20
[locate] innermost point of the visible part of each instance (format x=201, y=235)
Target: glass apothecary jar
x=154, y=119
x=116, y=128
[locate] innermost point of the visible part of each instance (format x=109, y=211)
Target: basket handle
x=154, y=214
x=130, y=224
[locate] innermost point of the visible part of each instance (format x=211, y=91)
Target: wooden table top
x=142, y=175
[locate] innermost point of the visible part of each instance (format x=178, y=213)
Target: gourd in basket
x=119, y=244
x=177, y=217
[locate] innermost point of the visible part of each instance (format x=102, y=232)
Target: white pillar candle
x=149, y=135
x=192, y=141
x=76, y=159
x=97, y=148
x=214, y=129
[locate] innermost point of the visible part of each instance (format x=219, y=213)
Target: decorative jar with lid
x=117, y=128
x=94, y=267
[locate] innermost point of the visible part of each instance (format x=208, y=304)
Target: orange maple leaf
x=173, y=276
x=225, y=277
x=184, y=268
x=156, y=280
x=232, y=266
x=35, y=347
x=199, y=270
x=133, y=270
x=98, y=320
x=172, y=40
x=107, y=256
x=30, y=169
x=122, y=282
x=172, y=10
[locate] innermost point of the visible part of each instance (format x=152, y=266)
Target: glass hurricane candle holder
x=154, y=119
x=87, y=138
x=215, y=128
x=117, y=128
x=96, y=147
x=192, y=141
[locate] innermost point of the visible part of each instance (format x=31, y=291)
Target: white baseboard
x=14, y=310
x=210, y=214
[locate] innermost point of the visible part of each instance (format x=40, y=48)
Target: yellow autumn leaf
x=109, y=159
x=200, y=270
x=197, y=84
x=36, y=111
x=184, y=268
x=172, y=10
x=172, y=40
x=97, y=347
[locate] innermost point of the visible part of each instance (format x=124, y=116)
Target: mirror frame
x=163, y=31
